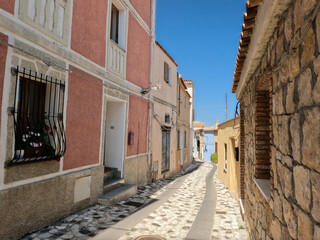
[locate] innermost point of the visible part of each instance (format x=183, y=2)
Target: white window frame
x=122, y=25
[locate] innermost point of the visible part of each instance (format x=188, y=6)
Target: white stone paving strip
x=228, y=223
x=173, y=219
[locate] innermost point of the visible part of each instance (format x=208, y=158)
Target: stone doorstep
x=111, y=184
x=118, y=194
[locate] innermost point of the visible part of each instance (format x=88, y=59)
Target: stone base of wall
x=30, y=207
x=136, y=170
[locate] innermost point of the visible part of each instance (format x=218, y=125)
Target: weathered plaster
x=84, y=108
x=138, y=55
x=89, y=29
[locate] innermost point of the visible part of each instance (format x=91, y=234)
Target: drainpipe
x=152, y=43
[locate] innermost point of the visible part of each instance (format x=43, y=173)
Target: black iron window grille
x=38, y=117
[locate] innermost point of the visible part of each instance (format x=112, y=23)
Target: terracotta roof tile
x=247, y=29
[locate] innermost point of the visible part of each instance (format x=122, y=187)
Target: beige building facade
x=190, y=89
x=164, y=120
x=183, y=157
x=227, y=143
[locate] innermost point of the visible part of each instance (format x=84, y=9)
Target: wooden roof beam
x=253, y=3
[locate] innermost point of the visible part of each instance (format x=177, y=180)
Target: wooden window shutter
x=263, y=134
x=166, y=72
x=242, y=153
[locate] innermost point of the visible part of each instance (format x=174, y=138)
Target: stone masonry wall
x=293, y=68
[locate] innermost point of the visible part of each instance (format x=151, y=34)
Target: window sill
x=264, y=186
x=170, y=84
x=241, y=201
x=115, y=43
x=164, y=171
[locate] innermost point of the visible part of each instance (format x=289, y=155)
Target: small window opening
x=167, y=118
x=114, y=32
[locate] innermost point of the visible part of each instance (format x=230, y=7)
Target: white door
x=115, y=133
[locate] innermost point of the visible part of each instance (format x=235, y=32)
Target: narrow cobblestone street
x=168, y=208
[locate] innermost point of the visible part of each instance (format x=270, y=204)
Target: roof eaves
x=162, y=48
x=247, y=29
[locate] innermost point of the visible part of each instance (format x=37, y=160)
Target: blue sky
x=203, y=37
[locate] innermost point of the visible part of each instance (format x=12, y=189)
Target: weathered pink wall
x=138, y=55
x=144, y=9
x=7, y=5
x=83, y=125
x=3, y=57
x=89, y=29
x=138, y=123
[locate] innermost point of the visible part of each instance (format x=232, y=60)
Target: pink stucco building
x=73, y=78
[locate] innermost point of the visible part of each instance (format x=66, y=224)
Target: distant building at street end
x=190, y=88
x=209, y=135
x=198, y=146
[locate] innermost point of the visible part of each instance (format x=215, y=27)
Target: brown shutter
x=242, y=154
x=166, y=72
x=263, y=134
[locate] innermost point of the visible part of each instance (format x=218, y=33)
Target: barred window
x=38, y=118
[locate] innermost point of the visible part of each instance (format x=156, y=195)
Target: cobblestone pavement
x=88, y=222
x=172, y=220
x=228, y=223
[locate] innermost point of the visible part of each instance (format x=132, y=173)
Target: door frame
x=167, y=152
x=181, y=147
x=108, y=99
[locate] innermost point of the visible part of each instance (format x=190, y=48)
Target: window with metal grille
x=38, y=117
x=185, y=138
